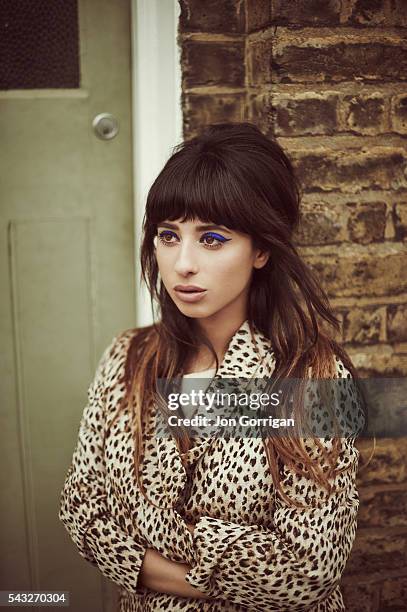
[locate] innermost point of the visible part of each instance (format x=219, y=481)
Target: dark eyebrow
x=199, y=228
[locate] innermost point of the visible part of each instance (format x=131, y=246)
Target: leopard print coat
x=249, y=549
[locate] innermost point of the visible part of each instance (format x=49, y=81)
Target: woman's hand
x=164, y=576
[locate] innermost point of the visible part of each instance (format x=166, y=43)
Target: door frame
x=156, y=110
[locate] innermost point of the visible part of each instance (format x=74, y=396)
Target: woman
x=215, y=522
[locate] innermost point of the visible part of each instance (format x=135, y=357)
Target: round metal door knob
x=105, y=126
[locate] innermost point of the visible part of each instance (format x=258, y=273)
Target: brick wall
x=328, y=79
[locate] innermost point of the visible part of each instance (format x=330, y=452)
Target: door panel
x=68, y=285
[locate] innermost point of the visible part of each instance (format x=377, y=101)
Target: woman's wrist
x=183, y=587
x=164, y=576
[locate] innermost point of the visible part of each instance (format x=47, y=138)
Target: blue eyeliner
x=217, y=236
x=221, y=239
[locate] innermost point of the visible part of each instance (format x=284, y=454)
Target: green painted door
x=66, y=269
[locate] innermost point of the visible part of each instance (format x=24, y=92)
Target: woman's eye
x=162, y=236
x=209, y=240
x=213, y=240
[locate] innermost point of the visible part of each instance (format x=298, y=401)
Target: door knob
x=105, y=126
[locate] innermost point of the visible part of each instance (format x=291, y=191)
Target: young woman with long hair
x=220, y=522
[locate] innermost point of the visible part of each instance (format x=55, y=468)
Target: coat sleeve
x=299, y=561
x=113, y=546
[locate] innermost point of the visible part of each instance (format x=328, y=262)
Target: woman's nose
x=186, y=260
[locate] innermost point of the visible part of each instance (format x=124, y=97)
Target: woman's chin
x=192, y=310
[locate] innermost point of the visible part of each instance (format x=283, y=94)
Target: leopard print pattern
x=249, y=549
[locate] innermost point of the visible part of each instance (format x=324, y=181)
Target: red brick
x=258, y=14
x=337, y=60
x=394, y=595
x=374, y=552
x=351, y=170
x=306, y=12
x=365, y=113
x=321, y=223
x=261, y=112
x=226, y=16
x=377, y=13
x=373, y=13
x=397, y=322
x=259, y=62
x=306, y=113
x=360, y=597
x=387, y=465
x=364, y=325
x=367, y=222
x=361, y=272
x=378, y=361
x=212, y=63
x=204, y=109
x=400, y=220
x=383, y=508
x=399, y=113
x=327, y=222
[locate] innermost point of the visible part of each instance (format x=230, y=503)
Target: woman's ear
x=261, y=258
x=155, y=241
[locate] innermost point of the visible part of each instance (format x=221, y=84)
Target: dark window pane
x=39, y=44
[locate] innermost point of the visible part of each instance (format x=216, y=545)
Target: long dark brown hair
x=233, y=175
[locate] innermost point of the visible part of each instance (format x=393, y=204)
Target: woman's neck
x=219, y=333
x=219, y=336
x=200, y=363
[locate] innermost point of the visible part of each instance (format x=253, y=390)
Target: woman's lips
x=190, y=296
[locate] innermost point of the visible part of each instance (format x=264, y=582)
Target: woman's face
x=214, y=260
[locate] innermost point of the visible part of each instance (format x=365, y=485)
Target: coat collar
x=249, y=353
